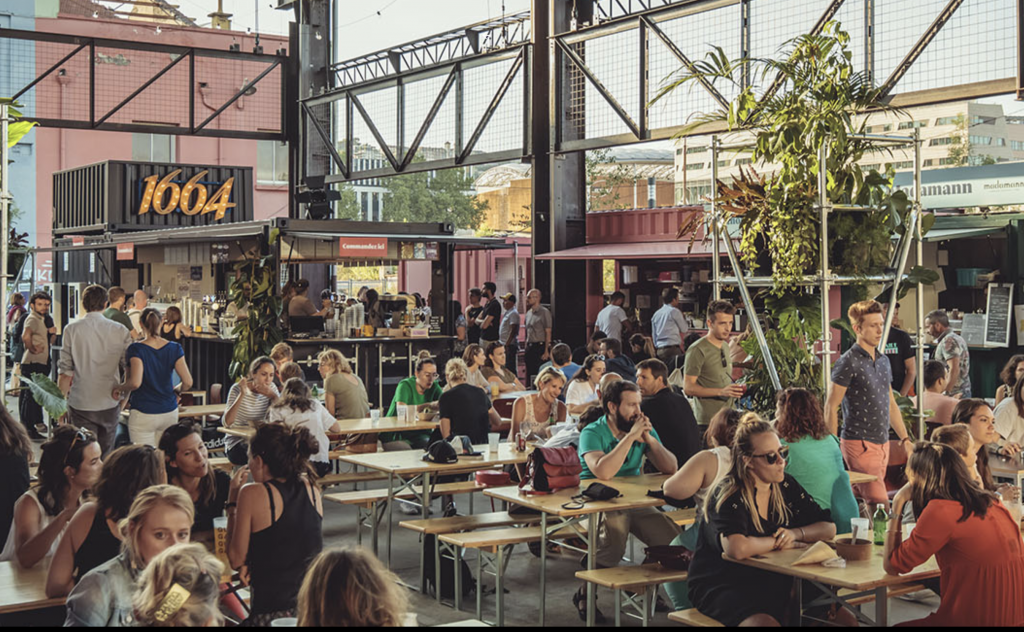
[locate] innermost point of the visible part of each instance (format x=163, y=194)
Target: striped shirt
x=253, y=408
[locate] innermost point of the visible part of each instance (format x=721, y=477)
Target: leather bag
x=551, y=469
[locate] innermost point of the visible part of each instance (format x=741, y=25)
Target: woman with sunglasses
x=582, y=389
x=92, y=537
x=69, y=466
x=972, y=536
x=756, y=509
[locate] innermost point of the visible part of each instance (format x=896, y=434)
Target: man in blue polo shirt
x=615, y=445
x=862, y=383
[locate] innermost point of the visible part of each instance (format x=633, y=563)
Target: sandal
x=579, y=599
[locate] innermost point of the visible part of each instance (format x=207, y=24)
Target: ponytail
x=150, y=321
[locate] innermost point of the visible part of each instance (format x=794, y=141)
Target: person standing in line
x=611, y=319
x=538, y=334
x=951, y=349
x=36, y=359
x=300, y=305
x=669, y=327
x=90, y=366
x=899, y=348
x=862, y=383
x=508, y=332
x=472, y=313
x=139, y=302
x=17, y=308
x=708, y=368
x=490, y=317
x=669, y=412
x=116, y=299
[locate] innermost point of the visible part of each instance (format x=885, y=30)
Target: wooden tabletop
x=350, y=427
x=859, y=478
x=24, y=589
x=191, y=412
x=857, y=576
x=515, y=394
x=633, y=489
x=411, y=461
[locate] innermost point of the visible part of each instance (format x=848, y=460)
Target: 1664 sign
x=164, y=195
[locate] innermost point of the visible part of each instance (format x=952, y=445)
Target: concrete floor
x=521, y=579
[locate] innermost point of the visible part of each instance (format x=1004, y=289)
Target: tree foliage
x=253, y=289
x=433, y=196
x=605, y=177
x=348, y=206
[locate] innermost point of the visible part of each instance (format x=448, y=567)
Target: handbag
x=551, y=469
x=672, y=557
x=493, y=478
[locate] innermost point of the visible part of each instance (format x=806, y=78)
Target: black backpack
x=447, y=572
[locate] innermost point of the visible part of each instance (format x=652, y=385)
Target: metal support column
x=5, y=204
x=919, y=349
x=825, y=207
x=716, y=251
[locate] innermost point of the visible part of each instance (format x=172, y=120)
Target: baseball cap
x=441, y=452
x=509, y=297
x=463, y=445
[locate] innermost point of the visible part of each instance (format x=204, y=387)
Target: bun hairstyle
x=740, y=479
x=285, y=450
x=295, y=395
x=65, y=449
x=160, y=599
x=150, y=321
x=722, y=428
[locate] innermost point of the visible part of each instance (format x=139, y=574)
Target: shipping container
x=118, y=196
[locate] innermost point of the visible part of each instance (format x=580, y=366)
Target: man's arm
x=660, y=456
x=910, y=365
x=954, y=375
x=836, y=394
x=26, y=338
x=605, y=465
x=896, y=419
x=692, y=389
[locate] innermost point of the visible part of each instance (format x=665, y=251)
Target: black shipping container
x=108, y=197
x=84, y=264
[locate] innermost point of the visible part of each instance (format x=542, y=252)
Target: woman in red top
x=972, y=535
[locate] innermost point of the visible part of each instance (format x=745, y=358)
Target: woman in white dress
x=582, y=389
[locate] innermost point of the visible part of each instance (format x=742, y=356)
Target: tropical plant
x=47, y=394
x=17, y=129
x=253, y=290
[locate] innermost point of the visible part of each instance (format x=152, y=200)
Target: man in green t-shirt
x=615, y=445
x=115, y=309
x=420, y=390
x=707, y=372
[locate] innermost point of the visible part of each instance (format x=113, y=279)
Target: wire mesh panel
x=318, y=154
x=382, y=109
x=480, y=85
x=64, y=93
x=614, y=60
x=898, y=25
x=122, y=72
x=420, y=96
x=504, y=131
x=17, y=69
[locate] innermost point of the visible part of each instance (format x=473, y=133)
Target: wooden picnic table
x=351, y=427
x=633, y=490
x=24, y=589
x=193, y=412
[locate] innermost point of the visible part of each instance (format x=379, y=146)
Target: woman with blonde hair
x=344, y=393
x=757, y=508
x=464, y=409
x=349, y=587
x=536, y=413
x=180, y=589
x=160, y=517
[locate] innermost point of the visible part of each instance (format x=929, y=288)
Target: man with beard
x=37, y=339
x=615, y=445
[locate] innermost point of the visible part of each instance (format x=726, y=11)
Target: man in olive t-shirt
x=707, y=372
x=116, y=298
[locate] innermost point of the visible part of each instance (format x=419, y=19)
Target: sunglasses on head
x=771, y=458
x=82, y=435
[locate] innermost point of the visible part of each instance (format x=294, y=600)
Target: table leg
x=425, y=496
x=882, y=607
x=799, y=603
x=649, y=597
x=423, y=566
x=479, y=585
x=591, y=563
x=391, y=510
x=499, y=590
x=618, y=608
x=437, y=572
x=457, y=562
x=543, y=562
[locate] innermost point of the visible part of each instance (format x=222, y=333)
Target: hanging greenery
x=253, y=290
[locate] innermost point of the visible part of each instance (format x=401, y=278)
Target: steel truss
x=824, y=279
x=190, y=56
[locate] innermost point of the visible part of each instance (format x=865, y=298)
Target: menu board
x=973, y=331
x=418, y=250
x=999, y=309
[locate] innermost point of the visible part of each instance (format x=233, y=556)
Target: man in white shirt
x=90, y=367
x=669, y=327
x=610, y=319
x=139, y=302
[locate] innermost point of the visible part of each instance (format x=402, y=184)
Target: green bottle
x=880, y=520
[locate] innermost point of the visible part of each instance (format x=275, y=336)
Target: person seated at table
x=276, y=529
x=15, y=455
x=695, y=479
x=815, y=460
x=344, y=393
x=1012, y=372
x=289, y=370
x=973, y=537
x=92, y=537
x=281, y=353
x=561, y=359
x=248, y=401
x=756, y=509
x=350, y=588
x=935, y=399
x=976, y=415
x=464, y=409
x=172, y=328
x=154, y=398
x=668, y=409
x=421, y=391
x=641, y=348
x=1009, y=416
x=615, y=445
x=297, y=408
x=180, y=588
x=958, y=437
x=188, y=467
x=593, y=347
x=474, y=357
x=69, y=466
x=496, y=372
x=159, y=517
x=615, y=361
x=536, y=413
x=594, y=411
x=582, y=388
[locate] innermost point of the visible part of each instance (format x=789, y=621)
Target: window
x=743, y=161
x=271, y=162
x=947, y=161
x=152, y=148
x=874, y=166
x=876, y=129
x=1017, y=145
x=945, y=140
x=1000, y=142
x=913, y=124
x=723, y=163
x=694, y=166
x=929, y=162
x=376, y=207
x=981, y=140
x=364, y=204
x=696, y=150
x=946, y=120
x=906, y=164
x=983, y=120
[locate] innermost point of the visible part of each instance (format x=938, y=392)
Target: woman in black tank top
x=277, y=555
x=172, y=328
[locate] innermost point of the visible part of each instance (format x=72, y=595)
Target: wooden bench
x=640, y=584
x=683, y=517
x=457, y=524
x=350, y=477
x=692, y=618
x=894, y=591
x=494, y=548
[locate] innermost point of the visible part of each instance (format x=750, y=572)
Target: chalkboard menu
x=1000, y=314
x=973, y=331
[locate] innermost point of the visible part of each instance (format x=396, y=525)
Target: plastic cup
x=285, y=622
x=403, y=412
x=220, y=538
x=375, y=416
x=495, y=390
x=862, y=528
x=492, y=442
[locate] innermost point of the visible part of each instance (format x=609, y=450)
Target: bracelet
x=230, y=505
x=802, y=536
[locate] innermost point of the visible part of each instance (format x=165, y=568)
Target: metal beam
x=922, y=43
x=48, y=71
x=434, y=109
x=238, y=95
x=601, y=89
x=104, y=42
x=491, y=107
x=145, y=85
x=324, y=136
x=712, y=90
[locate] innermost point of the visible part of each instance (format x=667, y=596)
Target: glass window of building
x=271, y=162
x=153, y=147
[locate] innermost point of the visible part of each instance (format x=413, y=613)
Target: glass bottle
x=880, y=520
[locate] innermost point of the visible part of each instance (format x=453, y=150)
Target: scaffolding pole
x=919, y=387
x=826, y=319
x=5, y=204
x=716, y=252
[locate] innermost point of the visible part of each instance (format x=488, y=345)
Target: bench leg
x=882, y=607
x=591, y=564
x=437, y=568
x=378, y=513
x=360, y=517
x=471, y=503
x=391, y=511
x=543, y=562
x=456, y=559
x=499, y=591
x=647, y=603
x=618, y=608
x=479, y=584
